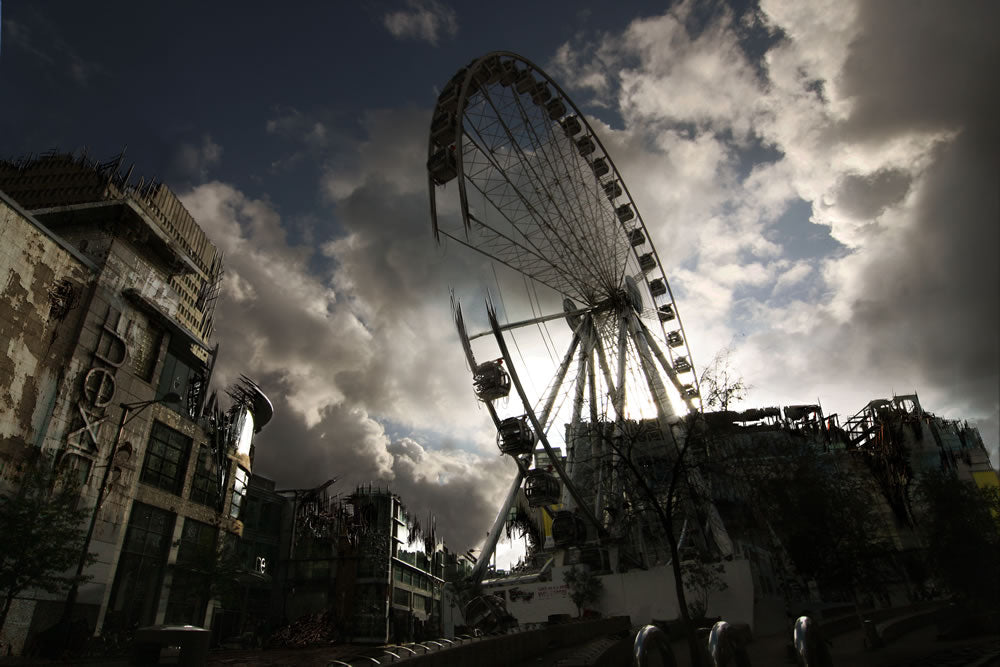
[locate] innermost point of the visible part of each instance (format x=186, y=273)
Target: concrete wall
x=643, y=595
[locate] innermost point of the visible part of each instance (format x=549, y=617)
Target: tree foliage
x=584, y=587
x=960, y=524
x=41, y=534
x=825, y=514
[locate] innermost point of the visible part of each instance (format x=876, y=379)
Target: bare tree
x=721, y=384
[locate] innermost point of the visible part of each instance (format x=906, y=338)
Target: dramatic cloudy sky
x=820, y=178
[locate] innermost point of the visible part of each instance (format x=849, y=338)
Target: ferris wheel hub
x=631, y=295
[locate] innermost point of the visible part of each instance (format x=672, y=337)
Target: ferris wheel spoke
x=535, y=320
x=572, y=172
x=543, y=223
x=516, y=223
x=515, y=267
x=527, y=253
x=575, y=200
x=496, y=185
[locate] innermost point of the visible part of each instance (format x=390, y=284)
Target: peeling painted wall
x=44, y=289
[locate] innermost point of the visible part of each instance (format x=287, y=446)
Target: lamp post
x=138, y=407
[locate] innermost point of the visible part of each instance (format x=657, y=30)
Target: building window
x=401, y=597
x=166, y=459
x=77, y=468
x=205, y=486
x=270, y=518
x=197, y=545
x=176, y=376
x=239, y=492
x=136, y=590
x=190, y=588
x=251, y=513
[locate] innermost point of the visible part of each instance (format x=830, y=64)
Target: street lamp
x=138, y=407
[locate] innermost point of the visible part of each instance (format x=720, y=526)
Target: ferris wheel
x=539, y=195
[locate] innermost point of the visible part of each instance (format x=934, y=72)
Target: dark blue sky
x=156, y=75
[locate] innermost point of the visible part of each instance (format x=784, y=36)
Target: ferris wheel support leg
x=665, y=415
x=560, y=376
x=597, y=437
x=556, y=464
x=622, y=355
x=664, y=408
x=588, y=340
x=492, y=537
x=434, y=213
x=574, y=428
x=618, y=401
x=667, y=368
x=606, y=371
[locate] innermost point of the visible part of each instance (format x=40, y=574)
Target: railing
x=727, y=645
x=391, y=653
x=811, y=648
x=650, y=641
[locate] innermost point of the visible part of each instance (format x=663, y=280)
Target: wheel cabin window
x=166, y=459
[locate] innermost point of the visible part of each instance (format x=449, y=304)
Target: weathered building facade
x=886, y=448
x=362, y=558
x=109, y=291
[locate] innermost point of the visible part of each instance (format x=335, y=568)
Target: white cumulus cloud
x=425, y=20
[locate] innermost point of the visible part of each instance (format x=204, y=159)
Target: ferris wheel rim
x=470, y=71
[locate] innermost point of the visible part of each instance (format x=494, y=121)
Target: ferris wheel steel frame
x=614, y=177
x=549, y=259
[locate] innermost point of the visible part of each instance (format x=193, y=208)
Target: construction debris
x=313, y=630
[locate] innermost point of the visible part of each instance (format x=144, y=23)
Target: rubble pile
x=309, y=630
